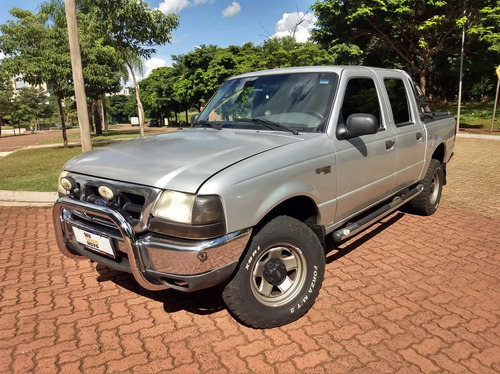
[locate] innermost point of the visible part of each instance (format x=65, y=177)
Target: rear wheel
x=427, y=202
x=280, y=276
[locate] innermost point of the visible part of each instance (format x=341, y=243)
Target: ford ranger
x=278, y=162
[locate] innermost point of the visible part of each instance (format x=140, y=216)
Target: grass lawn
x=110, y=135
x=34, y=169
x=476, y=116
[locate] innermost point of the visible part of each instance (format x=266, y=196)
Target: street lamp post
x=461, y=77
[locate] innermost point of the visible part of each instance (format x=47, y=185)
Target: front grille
x=133, y=202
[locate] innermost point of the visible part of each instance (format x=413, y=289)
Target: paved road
x=9, y=143
x=413, y=295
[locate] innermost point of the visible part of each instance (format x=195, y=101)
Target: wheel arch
x=439, y=153
x=300, y=207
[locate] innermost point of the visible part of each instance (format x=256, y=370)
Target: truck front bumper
x=156, y=261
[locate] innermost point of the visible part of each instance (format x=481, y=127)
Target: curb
x=27, y=198
x=479, y=136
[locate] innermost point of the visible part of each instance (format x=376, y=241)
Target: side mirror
x=359, y=124
x=194, y=118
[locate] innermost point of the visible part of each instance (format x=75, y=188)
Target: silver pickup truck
x=278, y=163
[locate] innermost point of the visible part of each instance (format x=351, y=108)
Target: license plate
x=94, y=242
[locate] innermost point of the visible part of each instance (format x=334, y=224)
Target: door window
x=360, y=97
x=398, y=101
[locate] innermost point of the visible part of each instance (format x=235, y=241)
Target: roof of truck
x=314, y=69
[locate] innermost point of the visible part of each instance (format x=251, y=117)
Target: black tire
x=279, y=277
x=427, y=202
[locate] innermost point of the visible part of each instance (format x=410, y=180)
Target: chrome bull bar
x=161, y=254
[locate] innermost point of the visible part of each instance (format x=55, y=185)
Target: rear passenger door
x=409, y=131
x=365, y=164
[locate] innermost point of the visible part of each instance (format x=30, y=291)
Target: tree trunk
x=97, y=118
x=140, y=108
x=91, y=122
x=423, y=73
x=187, y=119
x=104, y=108
x=61, y=117
x=76, y=65
x=176, y=118
x=1, y=124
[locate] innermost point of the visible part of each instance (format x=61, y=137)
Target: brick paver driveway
x=415, y=294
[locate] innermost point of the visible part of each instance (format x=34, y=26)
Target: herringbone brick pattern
x=412, y=295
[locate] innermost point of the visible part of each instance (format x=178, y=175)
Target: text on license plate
x=94, y=242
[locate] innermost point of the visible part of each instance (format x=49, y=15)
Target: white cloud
x=148, y=67
x=197, y=2
x=297, y=24
x=231, y=10
x=175, y=6
x=152, y=64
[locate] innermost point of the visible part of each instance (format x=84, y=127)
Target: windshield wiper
x=269, y=124
x=208, y=123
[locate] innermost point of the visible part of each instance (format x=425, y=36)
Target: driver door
x=366, y=164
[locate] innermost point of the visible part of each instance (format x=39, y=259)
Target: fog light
x=106, y=192
x=68, y=183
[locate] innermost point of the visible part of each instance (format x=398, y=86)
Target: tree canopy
x=133, y=29
x=37, y=50
x=416, y=35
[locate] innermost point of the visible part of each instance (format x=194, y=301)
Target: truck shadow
x=201, y=302
x=336, y=251
x=209, y=301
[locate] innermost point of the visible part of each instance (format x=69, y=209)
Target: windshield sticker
x=324, y=81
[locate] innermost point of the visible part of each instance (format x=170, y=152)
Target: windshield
x=297, y=102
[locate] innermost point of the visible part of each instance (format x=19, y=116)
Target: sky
x=218, y=22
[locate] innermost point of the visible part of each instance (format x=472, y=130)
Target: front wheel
x=427, y=202
x=279, y=278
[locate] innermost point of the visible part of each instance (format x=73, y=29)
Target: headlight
x=188, y=216
x=61, y=185
x=175, y=206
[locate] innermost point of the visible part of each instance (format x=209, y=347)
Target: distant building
x=20, y=84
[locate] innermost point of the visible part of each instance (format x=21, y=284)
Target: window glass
x=360, y=97
x=398, y=100
x=300, y=101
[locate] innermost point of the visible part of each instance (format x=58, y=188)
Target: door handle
x=419, y=135
x=389, y=144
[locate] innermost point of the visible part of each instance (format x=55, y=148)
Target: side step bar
x=355, y=227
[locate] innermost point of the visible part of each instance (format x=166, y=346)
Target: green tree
x=488, y=26
x=6, y=93
x=103, y=68
x=26, y=106
x=157, y=93
x=287, y=52
x=133, y=29
x=121, y=107
x=199, y=73
x=36, y=49
x=416, y=32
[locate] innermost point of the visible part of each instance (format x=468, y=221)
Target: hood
x=179, y=161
